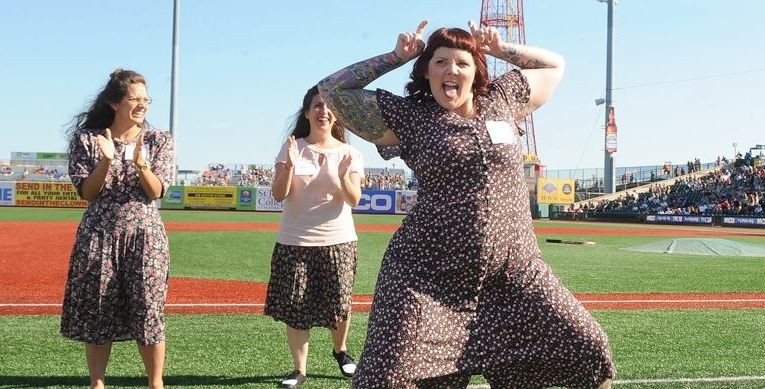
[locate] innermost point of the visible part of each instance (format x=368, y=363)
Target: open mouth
x=450, y=89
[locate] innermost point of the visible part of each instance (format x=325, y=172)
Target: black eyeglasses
x=136, y=100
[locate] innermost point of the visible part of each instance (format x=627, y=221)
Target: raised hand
x=138, y=157
x=345, y=164
x=106, y=145
x=292, y=151
x=487, y=38
x=410, y=44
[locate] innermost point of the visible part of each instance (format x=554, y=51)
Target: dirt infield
x=35, y=255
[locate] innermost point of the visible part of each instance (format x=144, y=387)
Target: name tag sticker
x=129, y=151
x=500, y=132
x=305, y=167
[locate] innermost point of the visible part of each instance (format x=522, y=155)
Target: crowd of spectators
x=218, y=174
x=254, y=176
x=384, y=180
x=40, y=173
x=215, y=175
x=734, y=189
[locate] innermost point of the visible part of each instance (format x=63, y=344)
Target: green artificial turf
x=250, y=351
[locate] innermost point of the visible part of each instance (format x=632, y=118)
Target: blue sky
x=245, y=65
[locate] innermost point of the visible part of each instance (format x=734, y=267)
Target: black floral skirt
x=311, y=286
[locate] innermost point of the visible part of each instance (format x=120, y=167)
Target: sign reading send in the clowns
x=47, y=194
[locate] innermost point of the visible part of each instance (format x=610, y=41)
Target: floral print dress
x=118, y=269
x=462, y=288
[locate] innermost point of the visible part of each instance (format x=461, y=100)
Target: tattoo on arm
x=356, y=108
x=358, y=111
x=361, y=73
x=522, y=57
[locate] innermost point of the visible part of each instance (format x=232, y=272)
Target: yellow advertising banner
x=555, y=191
x=209, y=196
x=48, y=194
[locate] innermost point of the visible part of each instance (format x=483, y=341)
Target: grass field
x=247, y=351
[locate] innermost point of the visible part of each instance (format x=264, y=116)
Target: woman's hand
x=292, y=152
x=106, y=145
x=487, y=38
x=138, y=152
x=409, y=44
x=350, y=184
x=345, y=164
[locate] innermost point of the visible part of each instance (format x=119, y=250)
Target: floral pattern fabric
x=462, y=287
x=311, y=286
x=118, y=270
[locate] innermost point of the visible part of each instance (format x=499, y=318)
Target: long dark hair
x=301, y=127
x=100, y=115
x=454, y=38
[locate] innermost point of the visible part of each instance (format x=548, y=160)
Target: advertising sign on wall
x=264, y=201
x=210, y=197
x=405, y=200
x=555, y=191
x=245, y=199
x=377, y=201
x=6, y=192
x=47, y=194
x=173, y=198
x=679, y=219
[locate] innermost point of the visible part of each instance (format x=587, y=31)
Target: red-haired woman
x=462, y=289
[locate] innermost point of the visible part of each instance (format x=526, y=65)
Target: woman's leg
x=153, y=357
x=340, y=349
x=97, y=357
x=340, y=335
x=298, y=342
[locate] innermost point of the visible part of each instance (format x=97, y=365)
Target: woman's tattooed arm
x=356, y=108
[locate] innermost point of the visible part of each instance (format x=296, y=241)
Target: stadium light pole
x=174, y=84
x=608, y=158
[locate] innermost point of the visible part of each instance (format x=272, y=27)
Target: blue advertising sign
x=679, y=219
x=377, y=201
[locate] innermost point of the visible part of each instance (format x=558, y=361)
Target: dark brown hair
x=100, y=115
x=302, y=127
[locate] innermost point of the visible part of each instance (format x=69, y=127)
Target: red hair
x=453, y=38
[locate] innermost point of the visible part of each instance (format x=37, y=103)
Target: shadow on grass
x=171, y=380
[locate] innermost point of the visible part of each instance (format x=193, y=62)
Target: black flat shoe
x=345, y=362
x=293, y=380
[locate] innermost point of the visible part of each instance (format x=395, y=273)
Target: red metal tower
x=507, y=17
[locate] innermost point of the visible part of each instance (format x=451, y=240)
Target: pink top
x=315, y=213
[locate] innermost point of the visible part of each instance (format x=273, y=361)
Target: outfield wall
x=697, y=220
x=64, y=195
x=261, y=199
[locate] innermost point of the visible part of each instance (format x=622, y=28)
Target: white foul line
x=688, y=380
